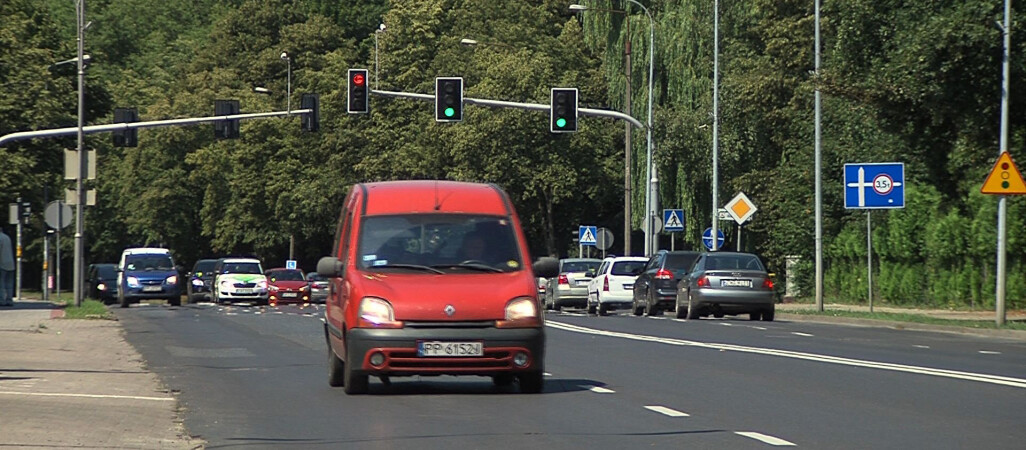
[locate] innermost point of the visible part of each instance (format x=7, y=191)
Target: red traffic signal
x=358, y=93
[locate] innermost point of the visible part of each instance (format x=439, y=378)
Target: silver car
x=726, y=283
x=570, y=288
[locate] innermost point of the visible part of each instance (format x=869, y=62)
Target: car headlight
x=521, y=312
x=197, y=282
x=262, y=284
x=225, y=284
x=377, y=313
x=133, y=282
x=101, y=287
x=304, y=288
x=272, y=288
x=173, y=279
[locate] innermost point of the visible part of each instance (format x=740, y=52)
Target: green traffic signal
x=449, y=112
x=561, y=122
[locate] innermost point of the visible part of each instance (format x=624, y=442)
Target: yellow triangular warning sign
x=1004, y=178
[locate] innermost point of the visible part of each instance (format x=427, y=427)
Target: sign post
x=673, y=221
x=873, y=186
x=708, y=241
x=586, y=236
x=1004, y=179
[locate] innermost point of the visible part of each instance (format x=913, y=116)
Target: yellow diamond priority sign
x=741, y=208
x=1004, y=178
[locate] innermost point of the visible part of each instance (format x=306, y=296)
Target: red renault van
x=432, y=278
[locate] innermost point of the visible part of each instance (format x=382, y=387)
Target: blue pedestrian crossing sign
x=586, y=235
x=707, y=238
x=673, y=219
x=290, y=264
x=874, y=186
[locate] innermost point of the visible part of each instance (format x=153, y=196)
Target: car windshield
x=579, y=266
x=627, y=267
x=728, y=262
x=679, y=262
x=286, y=275
x=106, y=271
x=242, y=267
x=439, y=243
x=148, y=262
x=204, y=266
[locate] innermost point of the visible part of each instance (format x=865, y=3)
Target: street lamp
x=261, y=90
x=381, y=28
x=288, y=82
x=650, y=201
x=80, y=194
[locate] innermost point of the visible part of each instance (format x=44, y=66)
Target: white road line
x=598, y=389
x=921, y=346
x=761, y=328
x=124, y=397
x=667, y=411
x=678, y=320
x=989, y=352
x=726, y=324
x=657, y=318
x=954, y=374
x=775, y=441
x=801, y=334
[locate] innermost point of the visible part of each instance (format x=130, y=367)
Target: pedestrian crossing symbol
x=673, y=219
x=586, y=235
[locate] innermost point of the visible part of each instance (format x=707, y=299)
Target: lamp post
x=650, y=200
x=380, y=29
x=716, y=128
x=288, y=82
x=80, y=193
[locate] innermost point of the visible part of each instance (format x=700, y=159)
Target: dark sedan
x=102, y=283
x=726, y=283
x=200, y=280
x=655, y=290
x=318, y=287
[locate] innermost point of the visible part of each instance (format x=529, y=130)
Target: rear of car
x=613, y=286
x=656, y=288
x=240, y=280
x=405, y=300
x=318, y=287
x=287, y=286
x=147, y=274
x=200, y=280
x=727, y=283
x=570, y=288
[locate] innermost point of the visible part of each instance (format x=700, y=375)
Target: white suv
x=613, y=285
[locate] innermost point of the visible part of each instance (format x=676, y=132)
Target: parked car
x=287, y=286
x=655, y=290
x=726, y=283
x=407, y=298
x=102, y=282
x=239, y=279
x=148, y=273
x=613, y=285
x=200, y=280
x=318, y=287
x=570, y=288
x=542, y=282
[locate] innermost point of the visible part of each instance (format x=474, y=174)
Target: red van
x=432, y=278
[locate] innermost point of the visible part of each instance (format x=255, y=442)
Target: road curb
x=911, y=326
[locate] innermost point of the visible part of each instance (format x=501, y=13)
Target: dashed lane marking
x=944, y=373
x=598, y=389
x=921, y=346
x=796, y=333
x=775, y=441
x=122, y=397
x=989, y=352
x=667, y=411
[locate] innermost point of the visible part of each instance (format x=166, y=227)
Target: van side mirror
x=329, y=267
x=546, y=267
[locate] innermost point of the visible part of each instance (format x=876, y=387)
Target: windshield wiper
x=406, y=266
x=480, y=267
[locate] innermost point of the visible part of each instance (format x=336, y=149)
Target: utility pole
x=628, y=150
x=80, y=193
x=999, y=293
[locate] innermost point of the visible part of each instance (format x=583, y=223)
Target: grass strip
x=912, y=318
x=90, y=309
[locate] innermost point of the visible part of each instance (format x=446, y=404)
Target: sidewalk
x=77, y=383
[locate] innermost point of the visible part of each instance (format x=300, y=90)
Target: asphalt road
x=250, y=377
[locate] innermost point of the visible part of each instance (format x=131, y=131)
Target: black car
x=200, y=280
x=102, y=283
x=655, y=290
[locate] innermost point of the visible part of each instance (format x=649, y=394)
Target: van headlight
x=521, y=312
x=377, y=313
x=133, y=282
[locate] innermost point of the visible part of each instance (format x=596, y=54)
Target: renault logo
x=450, y=310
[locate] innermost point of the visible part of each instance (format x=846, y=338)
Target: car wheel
x=591, y=309
x=548, y=302
x=692, y=311
x=602, y=310
x=531, y=382
x=650, y=309
x=754, y=315
x=767, y=316
x=680, y=312
x=503, y=380
x=636, y=308
x=555, y=304
x=335, y=369
x=175, y=301
x=354, y=383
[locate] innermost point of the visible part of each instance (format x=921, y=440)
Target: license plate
x=628, y=287
x=152, y=289
x=243, y=291
x=582, y=282
x=289, y=294
x=449, y=349
x=736, y=283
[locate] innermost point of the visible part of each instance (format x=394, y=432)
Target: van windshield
x=148, y=262
x=439, y=243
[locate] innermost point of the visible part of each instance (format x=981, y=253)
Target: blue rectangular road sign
x=586, y=235
x=874, y=186
x=290, y=264
x=673, y=219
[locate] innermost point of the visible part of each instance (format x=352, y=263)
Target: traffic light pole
x=504, y=104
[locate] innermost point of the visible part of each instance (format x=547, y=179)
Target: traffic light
x=563, y=110
x=129, y=137
x=226, y=129
x=448, y=99
x=312, y=120
x=358, y=92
